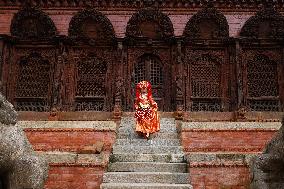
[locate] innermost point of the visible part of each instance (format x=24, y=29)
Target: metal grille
x=33, y=83
x=91, y=83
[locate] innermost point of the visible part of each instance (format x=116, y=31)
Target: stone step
x=117, y=149
x=165, y=158
x=160, y=135
x=163, y=129
x=147, y=167
x=126, y=120
x=146, y=177
x=144, y=186
x=152, y=142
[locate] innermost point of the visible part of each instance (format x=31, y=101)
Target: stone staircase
x=136, y=163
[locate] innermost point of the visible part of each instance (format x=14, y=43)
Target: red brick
x=220, y=177
x=242, y=141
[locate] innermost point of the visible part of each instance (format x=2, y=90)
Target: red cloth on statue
x=147, y=117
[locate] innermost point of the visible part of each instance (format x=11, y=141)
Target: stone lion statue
x=20, y=167
x=267, y=169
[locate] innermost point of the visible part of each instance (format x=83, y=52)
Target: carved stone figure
x=20, y=166
x=267, y=168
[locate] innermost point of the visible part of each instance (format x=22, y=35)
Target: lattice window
x=156, y=72
x=205, y=84
x=149, y=68
x=140, y=72
x=212, y=106
x=32, y=87
x=262, y=84
x=91, y=81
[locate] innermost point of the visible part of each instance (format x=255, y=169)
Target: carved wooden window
x=262, y=84
x=205, y=79
x=32, y=87
x=149, y=68
x=91, y=79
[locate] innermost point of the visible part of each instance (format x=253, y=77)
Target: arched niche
x=208, y=23
x=31, y=23
x=91, y=24
x=150, y=23
x=265, y=24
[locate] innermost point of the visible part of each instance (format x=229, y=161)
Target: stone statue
x=20, y=166
x=267, y=168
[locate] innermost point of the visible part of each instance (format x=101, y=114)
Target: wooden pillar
x=119, y=82
x=179, y=82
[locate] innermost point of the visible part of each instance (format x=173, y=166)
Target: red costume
x=147, y=118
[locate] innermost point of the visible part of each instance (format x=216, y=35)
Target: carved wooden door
x=149, y=68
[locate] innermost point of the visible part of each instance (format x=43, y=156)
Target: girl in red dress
x=147, y=118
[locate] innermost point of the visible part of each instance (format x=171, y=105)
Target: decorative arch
x=267, y=23
x=31, y=23
x=91, y=24
x=33, y=83
x=150, y=23
x=208, y=23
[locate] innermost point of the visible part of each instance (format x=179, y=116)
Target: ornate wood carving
x=208, y=23
x=267, y=23
x=161, y=72
x=31, y=23
x=33, y=80
x=206, y=74
x=149, y=23
x=93, y=81
x=262, y=76
x=91, y=25
x=174, y=4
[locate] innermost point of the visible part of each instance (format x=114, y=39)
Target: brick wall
x=220, y=177
x=226, y=141
x=219, y=153
x=77, y=151
x=119, y=19
x=74, y=177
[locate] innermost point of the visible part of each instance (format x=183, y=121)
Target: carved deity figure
x=147, y=117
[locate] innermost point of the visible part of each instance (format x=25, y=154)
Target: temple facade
x=198, y=56
x=75, y=60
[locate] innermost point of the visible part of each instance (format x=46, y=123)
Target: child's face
x=143, y=90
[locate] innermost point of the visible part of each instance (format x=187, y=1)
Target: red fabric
x=147, y=118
